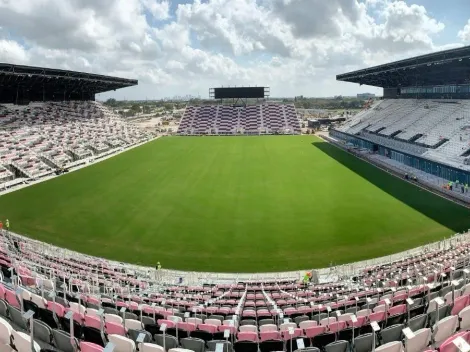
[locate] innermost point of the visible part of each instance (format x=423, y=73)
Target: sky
x=185, y=47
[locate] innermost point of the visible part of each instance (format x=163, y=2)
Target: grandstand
x=240, y=119
x=57, y=131
x=74, y=301
x=423, y=120
x=53, y=299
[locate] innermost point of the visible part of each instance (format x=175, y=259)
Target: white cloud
x=294, y=46
x=11, y=51
x=464, y=34
x=160, y=10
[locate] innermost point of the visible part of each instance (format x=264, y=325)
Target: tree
x=135, y=108
x=168, y=106
x=111, y=102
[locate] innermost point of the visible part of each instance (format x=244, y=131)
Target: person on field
x=159, y=266
x=1, y=225
x=7, y=225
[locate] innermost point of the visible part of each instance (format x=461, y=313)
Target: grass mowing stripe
x=242, y=204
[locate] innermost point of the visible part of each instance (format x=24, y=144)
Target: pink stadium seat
x=297, y=332
x=114, y=328
x=208, y=327
x=315, y=330
x=247, y=336
x=337, y=326
x=57, y=308
x=459, y=304
x=92, y=322
x=233, y=329
x=90, y=347
x=10, y=297
x=187, y=326
x=400, y=309
x=377, y=316
x=270, y=335
x=169, y=323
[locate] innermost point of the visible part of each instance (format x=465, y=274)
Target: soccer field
x=233, y=204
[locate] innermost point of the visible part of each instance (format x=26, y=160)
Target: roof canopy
x=37, y=79
x=441, y=68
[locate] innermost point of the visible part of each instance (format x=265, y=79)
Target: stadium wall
x=431, y=167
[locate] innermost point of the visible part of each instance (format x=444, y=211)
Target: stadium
x=239, y=232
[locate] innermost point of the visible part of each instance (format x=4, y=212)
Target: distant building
x=365, y=96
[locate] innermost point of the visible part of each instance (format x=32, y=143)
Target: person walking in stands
x=466, y=188
x=462, y=188
x=450, y=185
x=305, y=280
x=158, y=269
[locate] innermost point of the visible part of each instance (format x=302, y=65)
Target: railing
x=171, y=277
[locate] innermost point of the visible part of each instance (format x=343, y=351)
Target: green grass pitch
x=233, y=204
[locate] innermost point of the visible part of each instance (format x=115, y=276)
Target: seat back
x=418, y=322
x=113, y=318
x=41, y=331
x=247, y=336
x=90, y=347
x=17, y=317
x=337, y=346
x=245, y=346
x=121, y=343
x=250, y=328
x=271, y=346
x=363, y=343
x=22, y=342
x=419, y=342
x=267, y=327
x=57, y=308
x=392, y=333
x=444, y=328
x=134, y=334
x=93, y=335
x=464, y=316
x=5, y=332
x=395, y=346
x=133, y=324
x=459, y=304
x=92, y=321
x=150, y=347
x=63, y=341
x=115, y=329
x=196, y=345
x=168, y=342
x=314, y=331
x=307, y=324
x=211, y=345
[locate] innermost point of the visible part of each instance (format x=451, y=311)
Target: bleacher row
x=438, y=129
x=429, y=293
x=40, y=137
x=231, y=120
